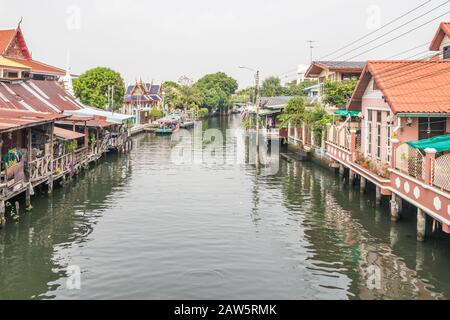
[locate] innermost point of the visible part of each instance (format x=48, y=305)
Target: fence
x=441, y=172
x=410, y=161
x=340, y=137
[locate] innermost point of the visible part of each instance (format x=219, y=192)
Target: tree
x=271, y=87
x=294, y=89
x=92, y=87
x=215, y=90
x=294, y=112
x=338, y=93
x=182, y=95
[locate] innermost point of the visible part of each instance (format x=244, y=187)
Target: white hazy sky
x=166, y=39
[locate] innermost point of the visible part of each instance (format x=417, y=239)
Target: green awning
x=439, y=143
x=345, y=113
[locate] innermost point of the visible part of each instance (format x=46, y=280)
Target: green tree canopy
x=215, y=90
x=92, y=87
x=294, y=112
x=271, y=87
x=338, y=93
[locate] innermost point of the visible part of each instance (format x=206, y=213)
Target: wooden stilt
x=362, y=184
x=28, y=206
x=378, y=196
x=421, y=225
x=351, y=177
x=395, y=208
x=2, y=214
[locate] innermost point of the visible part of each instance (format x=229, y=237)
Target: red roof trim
x=444, y=30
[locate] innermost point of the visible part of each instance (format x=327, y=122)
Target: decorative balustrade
x=339, y=136
x=440, y=176
x=410, y=161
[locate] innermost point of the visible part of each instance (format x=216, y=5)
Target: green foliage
x=294, y=89
x=92, y=87
x=216, y=90
x=318, y=118
x=338, y=93
x=203, y=112
x=181, y=95
x=271, y=87
x=244, y=96
x=156, y=113
x=71, y=146
x=294, y=112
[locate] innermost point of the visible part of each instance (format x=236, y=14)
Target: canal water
x=140, y=226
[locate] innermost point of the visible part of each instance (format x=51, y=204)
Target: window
x=369, y=132
x=11, y=75
x=431, y=127
x=379, y=117
x=446, y=53
x=389, y=143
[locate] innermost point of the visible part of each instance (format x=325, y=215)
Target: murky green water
x=139, y=226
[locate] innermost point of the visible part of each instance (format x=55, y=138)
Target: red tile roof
x=444, y=30
x=11, y=120
x=6, y=36
x=408, y=86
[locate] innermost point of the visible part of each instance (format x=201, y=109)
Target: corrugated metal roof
x=17, y=119
x=67, y=135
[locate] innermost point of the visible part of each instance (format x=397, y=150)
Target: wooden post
x=353, y=144
x=362, y=184
x=86, y=135
x=351, y=177
x=2, y=214
x=50, y=179
x=421, y=225
x=28, y=200
x=395, y=208
x=378, y=195
x=429, y=161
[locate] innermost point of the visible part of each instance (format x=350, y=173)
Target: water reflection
x=141, y=227
x=29, y=266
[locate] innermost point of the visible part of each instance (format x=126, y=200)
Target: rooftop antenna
x=20, y=22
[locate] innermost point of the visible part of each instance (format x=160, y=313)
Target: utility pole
x=257, y=117
x=311, y=47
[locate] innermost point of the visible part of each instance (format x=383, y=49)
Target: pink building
x=402, y=102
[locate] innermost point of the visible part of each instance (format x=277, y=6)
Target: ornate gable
x=17, y=48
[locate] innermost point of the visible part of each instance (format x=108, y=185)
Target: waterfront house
x=340, y=71
x=441, y=41
x=400, y=103
x=140, y=99
x=26, y=152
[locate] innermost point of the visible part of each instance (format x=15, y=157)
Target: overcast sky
x=166, y=39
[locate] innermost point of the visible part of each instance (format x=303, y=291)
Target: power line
x=395, y=29
x=375, y=31
x=401, y=35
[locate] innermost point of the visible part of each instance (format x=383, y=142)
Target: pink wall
x=409, y=133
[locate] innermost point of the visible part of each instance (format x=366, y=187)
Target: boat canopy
x=439, y=143
x=110, y=116
x=345, y=113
